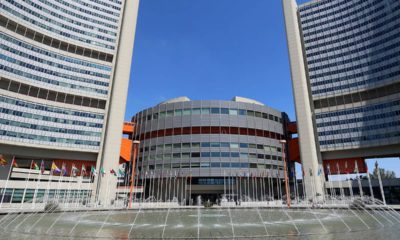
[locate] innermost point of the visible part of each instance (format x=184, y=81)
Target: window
x=244, y=145
x=242, y=112
x=215, y=164
x=177, y=145
x=162, y=114
x=195, y=145
x=196, y=111
x=178, y=112
x=185, y=156
x=204, y=165
x=259, y=146
x=186, y=112
x=215, y=154
x=244, y=155
x=215, y=111
x=234, y=145
x=185, y=145
x=195, y=154
x=251, y=145
x=235, y=154
x=205, y=144
x=250, y=113
x=225, y=145
x=205, y=154
x=225, y=154
x=205, y=111
x=176, y=155
x=224, y=111
x=233, y=112
x=170, y=113
x=214, y=144
x=168, y=146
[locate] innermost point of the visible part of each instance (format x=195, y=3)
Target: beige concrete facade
x=110, y=149
x=309, y=153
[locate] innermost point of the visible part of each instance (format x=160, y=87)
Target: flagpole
x=6, y=185
x=69, y=186
x=26, y=185
x=79, y=194
x=37, y=187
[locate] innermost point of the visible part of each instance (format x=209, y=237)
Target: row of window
x=54, y=22
x=51, y=29
x=363, y=109
x=85, y=13
x=43, y=79
x=48, y=128
x=364, y=64
x=15, y=195
x=189, y=155
x=61, y=66
x=67, y=19
x=336, y=13
x=361, y=119
x=49, y=119
x=53, y=54
x=207, y=111
x=186, y=145
x=360, y=139
x=361, y=49
x=361, y=129
x=95, y=6
x=349, y=39
x=358, y=58
x=320, y=7
x=40, y=107
x=50, y=41
x=48, y=138
x=367, y=82
x=209, y=165
x=326, y=32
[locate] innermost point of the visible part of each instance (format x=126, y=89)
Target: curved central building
x=209, y=148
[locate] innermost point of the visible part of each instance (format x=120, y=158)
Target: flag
x=63, y=169
x=102, y=171
x=93, y=171
x=42, y=167
x=113, y=172
x=54, y=168
x=3, y=162
x=310, y=172
x=121, y=172
x=34, y=166
x=83, y=170
x=14, y=163
x=74, y=170
x=319, y=171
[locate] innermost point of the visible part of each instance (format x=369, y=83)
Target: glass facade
x=352, y=53
x=56, y=71
x=206, y=138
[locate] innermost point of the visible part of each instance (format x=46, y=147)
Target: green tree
x=385, y=174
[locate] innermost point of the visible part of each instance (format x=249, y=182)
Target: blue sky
x=211, y=49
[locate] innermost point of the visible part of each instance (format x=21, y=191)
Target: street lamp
x=135, y=146
x=283, y=142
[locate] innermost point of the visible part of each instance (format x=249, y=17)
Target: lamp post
x=135, y=146
x=283, y=142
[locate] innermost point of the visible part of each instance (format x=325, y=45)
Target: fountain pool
x=201, y=223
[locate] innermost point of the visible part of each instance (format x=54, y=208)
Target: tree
x=385, y=174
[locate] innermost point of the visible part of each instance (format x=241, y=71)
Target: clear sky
x=212, y=49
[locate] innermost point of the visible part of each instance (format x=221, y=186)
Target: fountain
x=266, y=215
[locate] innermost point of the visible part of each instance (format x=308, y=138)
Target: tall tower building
x=345, y=63
x=64, y=74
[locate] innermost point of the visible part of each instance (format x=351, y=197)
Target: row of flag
x=63, y=171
